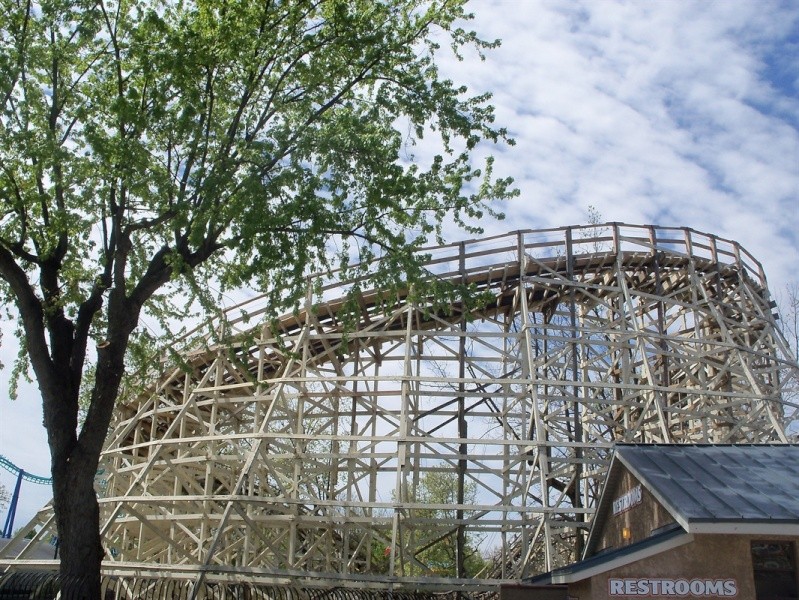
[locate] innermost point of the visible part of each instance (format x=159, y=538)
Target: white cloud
x=653, y=112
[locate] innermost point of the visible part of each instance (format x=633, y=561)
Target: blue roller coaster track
x=21, y=475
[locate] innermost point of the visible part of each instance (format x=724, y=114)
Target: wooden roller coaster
x=295, y=451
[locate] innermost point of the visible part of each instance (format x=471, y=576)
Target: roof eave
x=743, y=527
x=626, y=556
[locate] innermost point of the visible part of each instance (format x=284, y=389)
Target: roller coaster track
x=21, y=476
x=16, y=471
x=297, y=451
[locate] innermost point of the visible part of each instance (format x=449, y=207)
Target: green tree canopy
x=436, y=548
x=439, y=551
x=148, y=146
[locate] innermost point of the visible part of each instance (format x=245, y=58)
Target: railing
x=495, y=252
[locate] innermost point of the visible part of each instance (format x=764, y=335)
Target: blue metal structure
x=21, y=474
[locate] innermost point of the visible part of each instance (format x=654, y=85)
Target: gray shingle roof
x=713, y=488
x=719, y=482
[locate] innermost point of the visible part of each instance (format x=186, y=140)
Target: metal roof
x=742, y=488
x=719, y=482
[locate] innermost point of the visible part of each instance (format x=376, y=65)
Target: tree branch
x=30, y=309
x=23, y=36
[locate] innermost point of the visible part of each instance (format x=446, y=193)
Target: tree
x=436, y=546
x=441, y=552
x=161, y=147
x=788, y=311
x=788, y=306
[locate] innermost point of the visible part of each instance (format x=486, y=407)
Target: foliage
x=244, y=142
x=436, y=545
x=441, y=487
x=152, y=152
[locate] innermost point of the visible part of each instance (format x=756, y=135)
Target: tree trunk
x=75, y=458
x=78, y=518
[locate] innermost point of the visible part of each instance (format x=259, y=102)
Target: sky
x=650, y=112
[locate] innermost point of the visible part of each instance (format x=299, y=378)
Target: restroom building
x=687, y=521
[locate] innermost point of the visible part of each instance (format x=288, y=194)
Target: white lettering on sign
x=628, y=500
x=678, y=588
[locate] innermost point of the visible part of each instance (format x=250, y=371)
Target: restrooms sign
x=672, y=588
